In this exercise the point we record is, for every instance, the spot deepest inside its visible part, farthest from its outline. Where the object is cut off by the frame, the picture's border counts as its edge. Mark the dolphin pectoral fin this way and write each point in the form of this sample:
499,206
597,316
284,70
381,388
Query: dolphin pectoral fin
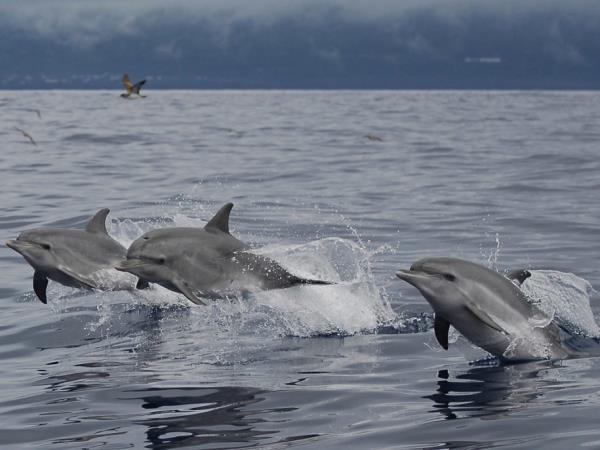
84,282
441,327
220,221
142,284
40,283
519,275
485,318
97,224
183,287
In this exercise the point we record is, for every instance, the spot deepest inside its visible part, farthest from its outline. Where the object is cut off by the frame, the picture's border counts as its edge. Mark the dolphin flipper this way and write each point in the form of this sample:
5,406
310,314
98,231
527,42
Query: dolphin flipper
519,275
40,282
84,282
220,220
97,224
184,288
441,327
485,318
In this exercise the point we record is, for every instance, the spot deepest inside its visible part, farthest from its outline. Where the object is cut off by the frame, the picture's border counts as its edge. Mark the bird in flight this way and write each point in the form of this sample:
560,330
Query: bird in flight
27,135
132,88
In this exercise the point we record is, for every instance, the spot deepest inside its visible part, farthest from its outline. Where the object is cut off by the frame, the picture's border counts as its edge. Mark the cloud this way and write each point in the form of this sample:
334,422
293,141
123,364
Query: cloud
346,41
169,50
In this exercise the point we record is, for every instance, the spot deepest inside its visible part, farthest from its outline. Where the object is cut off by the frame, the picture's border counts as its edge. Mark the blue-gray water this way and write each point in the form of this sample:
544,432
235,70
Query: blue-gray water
508,179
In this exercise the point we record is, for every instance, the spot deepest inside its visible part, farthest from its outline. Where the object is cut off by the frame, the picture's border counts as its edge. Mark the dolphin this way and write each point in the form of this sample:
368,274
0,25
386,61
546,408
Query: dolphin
485,307
69,257
205,262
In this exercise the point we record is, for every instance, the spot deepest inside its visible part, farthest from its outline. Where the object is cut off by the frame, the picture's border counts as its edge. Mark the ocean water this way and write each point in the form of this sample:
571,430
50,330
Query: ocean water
506,179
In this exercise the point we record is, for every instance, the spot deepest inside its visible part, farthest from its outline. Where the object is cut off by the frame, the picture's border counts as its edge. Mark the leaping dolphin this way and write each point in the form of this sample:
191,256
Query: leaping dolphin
486,308
69,257
131,88
205,262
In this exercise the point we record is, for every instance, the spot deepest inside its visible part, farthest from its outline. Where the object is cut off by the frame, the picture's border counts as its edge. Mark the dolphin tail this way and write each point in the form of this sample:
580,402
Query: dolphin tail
40,282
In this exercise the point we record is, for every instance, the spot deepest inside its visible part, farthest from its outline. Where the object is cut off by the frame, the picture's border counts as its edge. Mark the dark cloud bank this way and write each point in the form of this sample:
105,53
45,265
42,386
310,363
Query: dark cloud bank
301,44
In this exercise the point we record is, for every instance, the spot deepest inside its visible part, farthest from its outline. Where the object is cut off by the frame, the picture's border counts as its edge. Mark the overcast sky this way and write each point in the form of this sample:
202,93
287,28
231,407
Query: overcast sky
301,43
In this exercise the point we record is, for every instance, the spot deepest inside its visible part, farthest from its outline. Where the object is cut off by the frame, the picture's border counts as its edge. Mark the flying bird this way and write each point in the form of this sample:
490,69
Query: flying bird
132,88
27,135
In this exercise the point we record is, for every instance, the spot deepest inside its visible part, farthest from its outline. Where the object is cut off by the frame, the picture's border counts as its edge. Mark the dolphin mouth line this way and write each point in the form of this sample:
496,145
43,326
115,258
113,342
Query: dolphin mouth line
129,264
414,277
412,274
18,245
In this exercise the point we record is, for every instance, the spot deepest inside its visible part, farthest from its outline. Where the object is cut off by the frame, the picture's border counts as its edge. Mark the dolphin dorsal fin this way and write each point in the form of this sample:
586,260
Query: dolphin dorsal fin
441,327
221,219
519,275
97,224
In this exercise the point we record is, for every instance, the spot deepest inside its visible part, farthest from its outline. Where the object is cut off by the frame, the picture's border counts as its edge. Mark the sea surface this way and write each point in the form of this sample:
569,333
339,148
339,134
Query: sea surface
348,186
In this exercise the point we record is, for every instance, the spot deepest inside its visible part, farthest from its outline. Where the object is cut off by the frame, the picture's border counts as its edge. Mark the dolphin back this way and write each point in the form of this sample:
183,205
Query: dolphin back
297,280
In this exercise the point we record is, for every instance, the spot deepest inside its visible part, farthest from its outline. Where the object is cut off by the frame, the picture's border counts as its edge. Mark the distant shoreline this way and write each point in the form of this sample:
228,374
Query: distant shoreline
317,89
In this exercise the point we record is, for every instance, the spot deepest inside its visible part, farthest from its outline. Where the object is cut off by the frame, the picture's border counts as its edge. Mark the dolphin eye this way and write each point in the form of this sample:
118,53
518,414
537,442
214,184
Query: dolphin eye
161,260
146,238
45,246
449,276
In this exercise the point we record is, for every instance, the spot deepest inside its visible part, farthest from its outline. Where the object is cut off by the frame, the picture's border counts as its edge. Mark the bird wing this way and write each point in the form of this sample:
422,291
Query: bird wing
27,135
127,84
137,86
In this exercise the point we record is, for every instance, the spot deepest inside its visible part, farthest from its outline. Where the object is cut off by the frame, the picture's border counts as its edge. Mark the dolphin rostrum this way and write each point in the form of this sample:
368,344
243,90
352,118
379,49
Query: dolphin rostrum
486,308
205,262
69,257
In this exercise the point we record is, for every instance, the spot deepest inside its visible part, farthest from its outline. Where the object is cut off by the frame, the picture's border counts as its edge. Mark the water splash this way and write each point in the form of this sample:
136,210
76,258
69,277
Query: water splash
564,296
492,255
353,305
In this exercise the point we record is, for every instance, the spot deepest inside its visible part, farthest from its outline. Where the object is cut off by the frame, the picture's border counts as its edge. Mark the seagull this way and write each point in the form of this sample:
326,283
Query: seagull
27,135
131,88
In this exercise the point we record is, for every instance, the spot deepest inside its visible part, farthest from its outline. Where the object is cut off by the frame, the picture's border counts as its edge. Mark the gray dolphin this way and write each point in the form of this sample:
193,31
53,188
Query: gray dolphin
486,308
69,257
207,262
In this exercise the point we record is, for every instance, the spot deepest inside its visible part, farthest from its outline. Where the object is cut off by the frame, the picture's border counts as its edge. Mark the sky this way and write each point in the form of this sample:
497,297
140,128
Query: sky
304,44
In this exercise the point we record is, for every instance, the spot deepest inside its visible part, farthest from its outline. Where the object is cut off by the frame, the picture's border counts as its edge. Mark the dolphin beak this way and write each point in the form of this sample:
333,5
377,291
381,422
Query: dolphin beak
11,244
130,264
17,246
412,276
